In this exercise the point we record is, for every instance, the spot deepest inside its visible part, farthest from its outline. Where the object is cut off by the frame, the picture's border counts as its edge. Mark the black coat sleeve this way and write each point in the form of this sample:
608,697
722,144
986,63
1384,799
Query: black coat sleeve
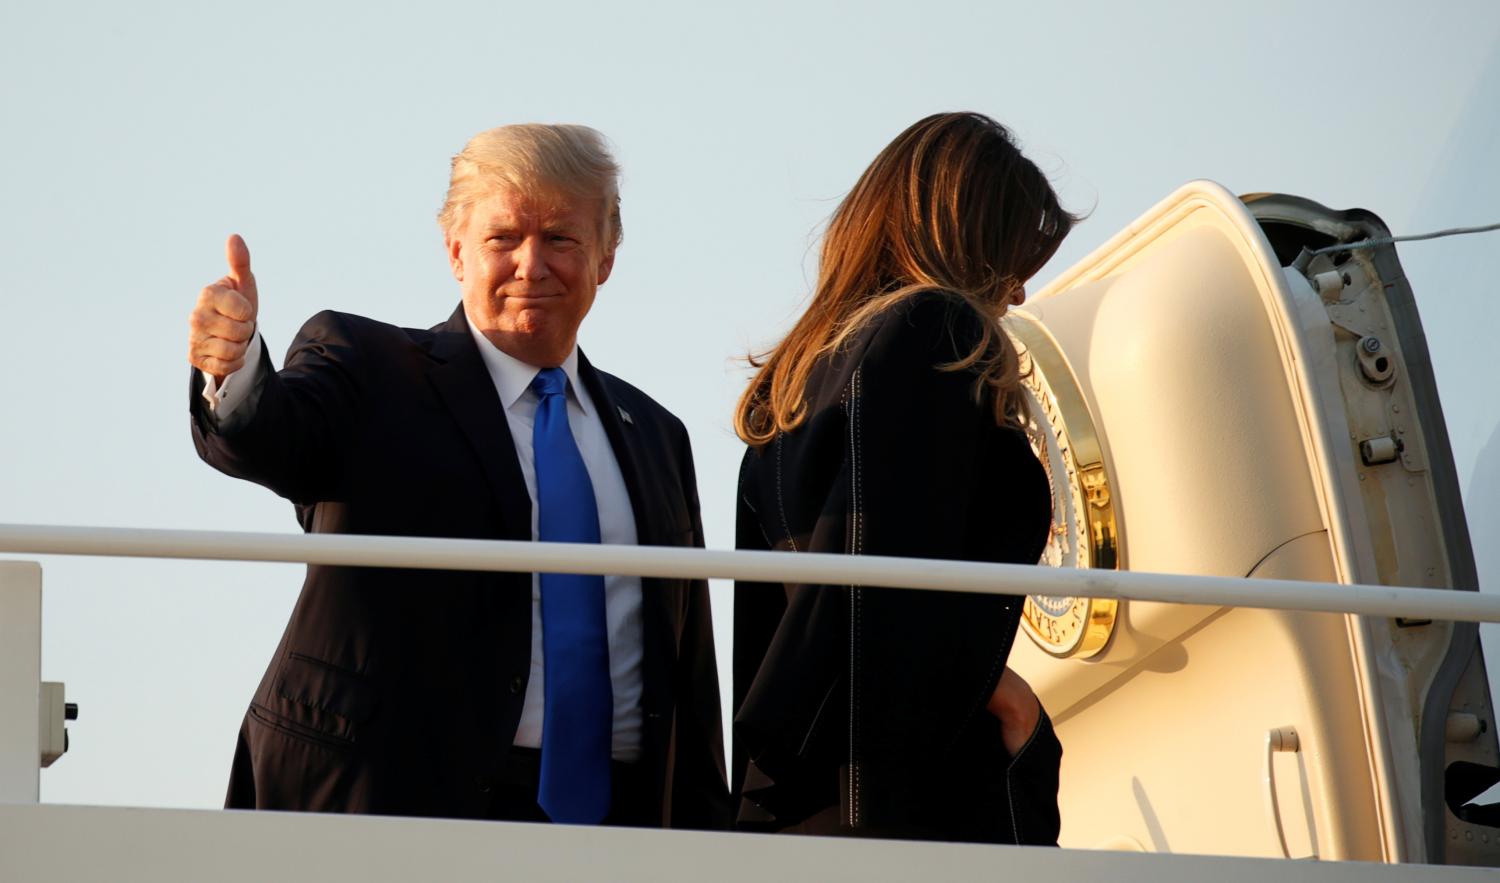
291,432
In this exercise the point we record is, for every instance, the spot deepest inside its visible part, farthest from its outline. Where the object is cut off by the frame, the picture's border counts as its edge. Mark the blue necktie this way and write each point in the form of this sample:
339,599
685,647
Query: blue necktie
578,715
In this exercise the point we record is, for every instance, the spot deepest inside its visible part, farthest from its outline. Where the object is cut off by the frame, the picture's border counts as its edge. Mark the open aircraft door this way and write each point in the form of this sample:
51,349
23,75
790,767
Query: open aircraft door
1211,398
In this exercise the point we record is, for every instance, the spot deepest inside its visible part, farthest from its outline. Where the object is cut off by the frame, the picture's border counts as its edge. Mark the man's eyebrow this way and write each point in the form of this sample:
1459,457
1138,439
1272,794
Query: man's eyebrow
548,226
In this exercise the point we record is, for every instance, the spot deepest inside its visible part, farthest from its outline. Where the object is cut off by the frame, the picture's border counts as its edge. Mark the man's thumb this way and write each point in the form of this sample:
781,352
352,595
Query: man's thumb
238,255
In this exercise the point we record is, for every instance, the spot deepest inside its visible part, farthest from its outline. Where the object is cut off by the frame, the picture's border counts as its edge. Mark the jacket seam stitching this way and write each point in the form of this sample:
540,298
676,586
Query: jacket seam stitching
856,547
781,500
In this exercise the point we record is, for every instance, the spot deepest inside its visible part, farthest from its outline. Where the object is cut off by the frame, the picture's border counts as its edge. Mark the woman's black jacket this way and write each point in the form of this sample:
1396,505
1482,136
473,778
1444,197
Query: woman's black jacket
872,700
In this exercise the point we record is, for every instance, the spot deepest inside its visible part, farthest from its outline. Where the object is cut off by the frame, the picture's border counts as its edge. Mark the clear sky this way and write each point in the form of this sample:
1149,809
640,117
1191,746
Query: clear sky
136,136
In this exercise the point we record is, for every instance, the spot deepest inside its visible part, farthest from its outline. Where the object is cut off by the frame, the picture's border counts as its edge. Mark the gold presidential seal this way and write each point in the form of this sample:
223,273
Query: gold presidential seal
1085,532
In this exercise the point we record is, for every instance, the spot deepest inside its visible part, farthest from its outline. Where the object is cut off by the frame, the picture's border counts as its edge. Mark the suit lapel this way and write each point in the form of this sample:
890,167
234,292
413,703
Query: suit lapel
462,381
661,600
635,459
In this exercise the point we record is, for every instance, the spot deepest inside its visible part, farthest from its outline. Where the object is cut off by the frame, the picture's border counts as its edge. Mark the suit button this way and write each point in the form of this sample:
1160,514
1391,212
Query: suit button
482,784
517,684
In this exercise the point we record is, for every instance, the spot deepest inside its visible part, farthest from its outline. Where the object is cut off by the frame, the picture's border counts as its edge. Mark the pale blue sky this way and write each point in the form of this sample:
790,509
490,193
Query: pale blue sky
136,136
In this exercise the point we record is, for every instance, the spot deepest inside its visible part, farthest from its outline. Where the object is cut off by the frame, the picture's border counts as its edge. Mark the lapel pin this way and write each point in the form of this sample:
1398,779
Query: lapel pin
625,415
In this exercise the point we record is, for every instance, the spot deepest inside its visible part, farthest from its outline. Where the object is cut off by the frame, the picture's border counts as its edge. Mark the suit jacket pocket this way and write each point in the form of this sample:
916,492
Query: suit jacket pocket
1031,786
260,715
321,698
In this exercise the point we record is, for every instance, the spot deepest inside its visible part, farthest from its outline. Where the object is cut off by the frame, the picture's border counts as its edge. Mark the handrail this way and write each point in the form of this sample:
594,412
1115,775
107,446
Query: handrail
807,568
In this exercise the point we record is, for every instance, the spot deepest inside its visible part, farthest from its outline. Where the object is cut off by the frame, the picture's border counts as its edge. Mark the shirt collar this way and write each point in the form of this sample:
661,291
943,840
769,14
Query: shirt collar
512,377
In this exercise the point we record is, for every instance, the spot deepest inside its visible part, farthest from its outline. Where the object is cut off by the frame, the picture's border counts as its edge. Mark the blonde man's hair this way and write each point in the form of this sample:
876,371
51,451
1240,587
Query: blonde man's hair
536,159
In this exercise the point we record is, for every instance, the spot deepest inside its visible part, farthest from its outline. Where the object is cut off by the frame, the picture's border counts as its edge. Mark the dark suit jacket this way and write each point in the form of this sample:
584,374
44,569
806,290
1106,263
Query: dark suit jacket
873,700
399,691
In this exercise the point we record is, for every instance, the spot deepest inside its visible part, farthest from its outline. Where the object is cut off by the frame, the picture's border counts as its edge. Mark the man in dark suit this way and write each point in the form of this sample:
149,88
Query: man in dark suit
473,695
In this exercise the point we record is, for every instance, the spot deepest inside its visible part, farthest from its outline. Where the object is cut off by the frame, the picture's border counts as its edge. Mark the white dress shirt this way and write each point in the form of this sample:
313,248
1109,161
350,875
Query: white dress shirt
224,398
622,594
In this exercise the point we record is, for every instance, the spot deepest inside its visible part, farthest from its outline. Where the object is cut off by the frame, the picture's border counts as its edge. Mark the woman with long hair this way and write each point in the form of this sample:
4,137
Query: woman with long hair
889,422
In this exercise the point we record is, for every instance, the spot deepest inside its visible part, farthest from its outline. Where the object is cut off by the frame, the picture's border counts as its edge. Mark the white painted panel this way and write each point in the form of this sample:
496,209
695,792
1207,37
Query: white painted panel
42,844
20,681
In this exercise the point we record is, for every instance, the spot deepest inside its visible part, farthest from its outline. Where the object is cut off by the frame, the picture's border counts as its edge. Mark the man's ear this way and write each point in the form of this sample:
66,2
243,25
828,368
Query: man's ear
455,248
606,264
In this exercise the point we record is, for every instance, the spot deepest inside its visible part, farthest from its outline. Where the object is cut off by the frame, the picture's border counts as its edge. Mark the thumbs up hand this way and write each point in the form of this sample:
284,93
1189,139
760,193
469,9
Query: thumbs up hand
223,321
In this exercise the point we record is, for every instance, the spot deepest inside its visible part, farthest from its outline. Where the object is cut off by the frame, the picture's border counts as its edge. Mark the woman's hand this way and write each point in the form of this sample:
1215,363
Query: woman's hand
1018,709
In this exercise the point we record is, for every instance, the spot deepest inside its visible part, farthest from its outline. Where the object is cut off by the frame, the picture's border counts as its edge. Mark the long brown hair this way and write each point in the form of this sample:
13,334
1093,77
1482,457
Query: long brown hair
950,205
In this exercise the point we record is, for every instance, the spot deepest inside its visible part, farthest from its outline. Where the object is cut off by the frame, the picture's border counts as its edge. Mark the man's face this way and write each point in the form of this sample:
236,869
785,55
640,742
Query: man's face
529,268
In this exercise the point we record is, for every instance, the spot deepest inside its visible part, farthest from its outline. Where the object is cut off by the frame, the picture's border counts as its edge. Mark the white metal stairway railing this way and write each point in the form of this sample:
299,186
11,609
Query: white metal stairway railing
816,569
130,844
